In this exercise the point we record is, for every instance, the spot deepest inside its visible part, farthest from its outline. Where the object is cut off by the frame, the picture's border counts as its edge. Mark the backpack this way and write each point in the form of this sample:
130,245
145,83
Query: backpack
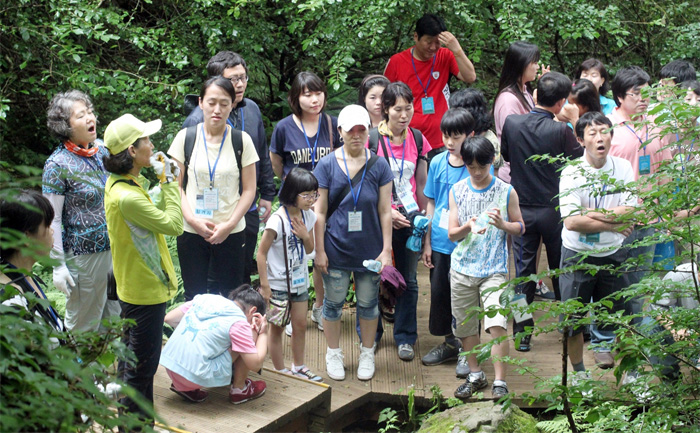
374,142
236,141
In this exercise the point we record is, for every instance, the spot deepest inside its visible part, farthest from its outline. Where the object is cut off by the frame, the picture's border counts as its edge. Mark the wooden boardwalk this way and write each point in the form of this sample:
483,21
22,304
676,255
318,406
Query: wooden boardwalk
291,404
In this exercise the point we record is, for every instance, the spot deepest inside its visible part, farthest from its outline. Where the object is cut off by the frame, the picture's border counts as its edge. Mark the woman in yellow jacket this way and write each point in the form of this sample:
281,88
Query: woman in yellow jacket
143,268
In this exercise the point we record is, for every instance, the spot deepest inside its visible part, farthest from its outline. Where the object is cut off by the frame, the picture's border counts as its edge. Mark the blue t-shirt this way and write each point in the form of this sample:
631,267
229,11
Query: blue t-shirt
288,142
346,250
441,178
81,180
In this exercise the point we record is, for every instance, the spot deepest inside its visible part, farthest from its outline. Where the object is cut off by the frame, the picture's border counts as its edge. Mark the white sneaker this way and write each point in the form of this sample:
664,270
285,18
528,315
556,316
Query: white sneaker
580,379
365,368
316,316
334,364
638,385
288,329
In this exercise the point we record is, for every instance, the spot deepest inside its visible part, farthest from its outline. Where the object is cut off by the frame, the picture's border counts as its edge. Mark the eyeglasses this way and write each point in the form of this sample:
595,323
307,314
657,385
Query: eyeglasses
238,78
311,197
636,95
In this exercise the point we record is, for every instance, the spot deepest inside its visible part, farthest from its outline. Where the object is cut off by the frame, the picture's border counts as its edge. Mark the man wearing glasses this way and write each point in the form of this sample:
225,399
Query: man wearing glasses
245,116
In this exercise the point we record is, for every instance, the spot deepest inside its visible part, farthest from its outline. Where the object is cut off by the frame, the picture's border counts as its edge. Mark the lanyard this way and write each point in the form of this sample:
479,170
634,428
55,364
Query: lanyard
403,156
318,133
430,77
680,150
447,176
355,197
297,247
646,127
212,171
240,113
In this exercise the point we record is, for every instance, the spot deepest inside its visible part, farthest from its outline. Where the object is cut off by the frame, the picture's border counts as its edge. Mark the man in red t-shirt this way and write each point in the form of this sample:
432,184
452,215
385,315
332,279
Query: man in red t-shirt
426,68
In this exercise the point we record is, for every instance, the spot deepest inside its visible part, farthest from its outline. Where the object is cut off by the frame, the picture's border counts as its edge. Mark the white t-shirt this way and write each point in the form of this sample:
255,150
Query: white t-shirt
225,176
276,271
574,196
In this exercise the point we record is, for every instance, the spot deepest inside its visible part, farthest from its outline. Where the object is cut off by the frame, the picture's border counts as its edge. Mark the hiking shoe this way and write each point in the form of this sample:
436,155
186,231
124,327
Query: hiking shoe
499,389
474,382
524,345
604,360
194,396
441,353
365,368
406,352
334,364
316,316
253,390
288,329
543,291
307,374
462,371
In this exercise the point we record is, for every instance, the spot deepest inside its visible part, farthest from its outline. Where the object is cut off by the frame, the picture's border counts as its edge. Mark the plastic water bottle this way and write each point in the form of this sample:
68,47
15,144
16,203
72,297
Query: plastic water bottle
482,221
372,265
261,212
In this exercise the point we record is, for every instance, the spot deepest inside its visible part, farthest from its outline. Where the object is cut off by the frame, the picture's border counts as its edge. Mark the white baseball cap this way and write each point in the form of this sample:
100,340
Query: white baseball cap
353,115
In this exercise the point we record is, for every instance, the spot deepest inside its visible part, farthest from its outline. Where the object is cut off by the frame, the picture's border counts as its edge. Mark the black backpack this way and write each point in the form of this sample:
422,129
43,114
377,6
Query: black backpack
236,141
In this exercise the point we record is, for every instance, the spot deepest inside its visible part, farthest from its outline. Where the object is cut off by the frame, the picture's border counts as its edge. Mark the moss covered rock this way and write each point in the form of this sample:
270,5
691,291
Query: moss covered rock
480,417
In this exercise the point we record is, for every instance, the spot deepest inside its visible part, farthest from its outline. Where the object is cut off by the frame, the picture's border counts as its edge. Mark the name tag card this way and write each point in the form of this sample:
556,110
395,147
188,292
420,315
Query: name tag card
644,164
444,219
299,278
428,105
200,210
355,221
211,199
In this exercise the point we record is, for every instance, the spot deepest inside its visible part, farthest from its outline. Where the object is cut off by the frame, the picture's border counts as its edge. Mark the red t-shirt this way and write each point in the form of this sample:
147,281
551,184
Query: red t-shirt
400,68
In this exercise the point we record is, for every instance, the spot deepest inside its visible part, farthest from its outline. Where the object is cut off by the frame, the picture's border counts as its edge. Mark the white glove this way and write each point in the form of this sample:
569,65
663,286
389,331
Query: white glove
62,279
163,167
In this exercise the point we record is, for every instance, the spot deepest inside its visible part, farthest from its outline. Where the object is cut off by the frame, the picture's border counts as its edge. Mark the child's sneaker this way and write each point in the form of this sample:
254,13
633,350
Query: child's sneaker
365,368
474,382
252,390
316,316
499,389
195,396
305,373
543,291
334,364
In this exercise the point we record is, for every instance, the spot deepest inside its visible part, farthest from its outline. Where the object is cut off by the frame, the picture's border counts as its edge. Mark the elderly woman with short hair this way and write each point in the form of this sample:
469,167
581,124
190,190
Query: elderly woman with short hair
73,181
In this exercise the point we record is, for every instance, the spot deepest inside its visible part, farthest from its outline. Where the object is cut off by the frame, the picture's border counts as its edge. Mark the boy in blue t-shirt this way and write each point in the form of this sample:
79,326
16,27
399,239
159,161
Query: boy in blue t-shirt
483,211
445,170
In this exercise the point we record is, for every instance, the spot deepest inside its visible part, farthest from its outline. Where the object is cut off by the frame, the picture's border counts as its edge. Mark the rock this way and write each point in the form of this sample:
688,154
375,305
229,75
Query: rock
480,417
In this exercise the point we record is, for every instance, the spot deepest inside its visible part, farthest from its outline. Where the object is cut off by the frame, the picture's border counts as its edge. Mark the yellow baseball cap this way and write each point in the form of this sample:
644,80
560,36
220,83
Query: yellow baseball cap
124,131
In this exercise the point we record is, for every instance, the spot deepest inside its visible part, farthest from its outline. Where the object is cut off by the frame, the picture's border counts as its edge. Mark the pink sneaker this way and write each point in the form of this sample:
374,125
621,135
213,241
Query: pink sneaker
253,390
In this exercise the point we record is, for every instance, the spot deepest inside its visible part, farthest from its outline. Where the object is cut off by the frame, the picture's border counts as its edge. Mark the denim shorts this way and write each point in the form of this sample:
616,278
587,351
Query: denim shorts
280,295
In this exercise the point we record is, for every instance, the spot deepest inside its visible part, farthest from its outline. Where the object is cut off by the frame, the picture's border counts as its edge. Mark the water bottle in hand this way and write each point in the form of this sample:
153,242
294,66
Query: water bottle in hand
372,265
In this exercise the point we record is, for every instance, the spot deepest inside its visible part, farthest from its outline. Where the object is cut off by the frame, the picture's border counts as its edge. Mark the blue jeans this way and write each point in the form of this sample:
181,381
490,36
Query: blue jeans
405,322
336,284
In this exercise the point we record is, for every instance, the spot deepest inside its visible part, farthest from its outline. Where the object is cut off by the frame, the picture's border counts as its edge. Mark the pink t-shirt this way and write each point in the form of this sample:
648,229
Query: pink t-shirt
241,334
627,143
396,158
506,104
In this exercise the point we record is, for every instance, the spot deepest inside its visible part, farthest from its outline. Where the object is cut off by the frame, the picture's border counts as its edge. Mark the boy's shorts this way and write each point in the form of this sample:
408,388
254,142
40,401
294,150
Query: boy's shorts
466,293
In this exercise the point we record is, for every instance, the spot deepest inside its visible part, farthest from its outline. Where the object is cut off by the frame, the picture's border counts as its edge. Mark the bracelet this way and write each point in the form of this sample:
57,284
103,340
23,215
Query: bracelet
522,228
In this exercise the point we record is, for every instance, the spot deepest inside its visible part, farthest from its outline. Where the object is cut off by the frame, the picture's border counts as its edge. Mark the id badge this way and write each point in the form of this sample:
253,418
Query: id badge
589,238
444,219
211,199
428,105
199,210
644,164
298,278
520,303
406,197
355,221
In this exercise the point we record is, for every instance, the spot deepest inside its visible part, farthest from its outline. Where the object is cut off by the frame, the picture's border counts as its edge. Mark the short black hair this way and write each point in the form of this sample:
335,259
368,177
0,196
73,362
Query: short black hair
122,162
457,121
23,212
629,77
474,101
586,94
219,81
297,181
596,64
431,25
691,85
367,84
591,118
393,92
224,60
478,148
311,82
678,71
249,297
552,88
